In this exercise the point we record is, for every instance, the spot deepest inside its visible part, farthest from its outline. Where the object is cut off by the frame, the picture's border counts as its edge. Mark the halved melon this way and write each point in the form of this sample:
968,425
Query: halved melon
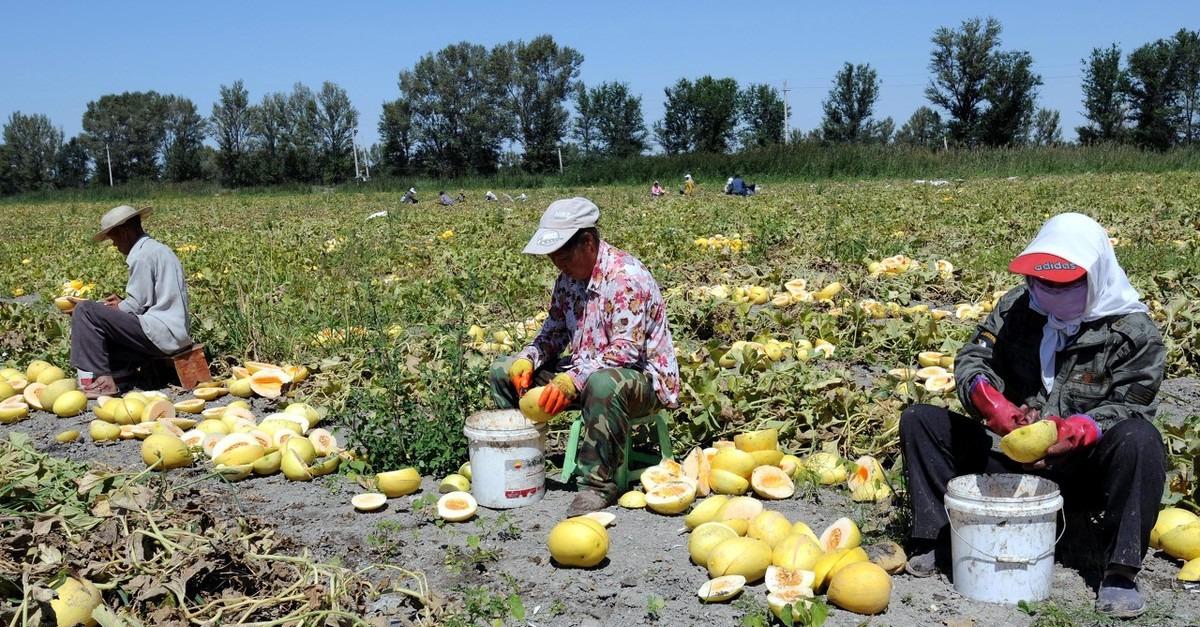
788,598
902,374
721,588
102,431
764,440
193,438
55,389
842,534
158,409
241,388
705,538
456,506
929,372
725,482
368,502
306,410
929,358
707,510
828,467
771,482
238,372
212,425
606,519
657,475
672,497
770,527
324,442
720,444
303,447
791,465
237,449
297,373
781,579
209,394
269,382
252,367
695,467
940,384
264,440
796,551
209,443
868,483
12,412
268,464
33,394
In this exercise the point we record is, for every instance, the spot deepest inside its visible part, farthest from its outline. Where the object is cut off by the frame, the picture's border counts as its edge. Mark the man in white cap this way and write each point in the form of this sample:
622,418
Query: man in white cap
608,312
115,336
1072,345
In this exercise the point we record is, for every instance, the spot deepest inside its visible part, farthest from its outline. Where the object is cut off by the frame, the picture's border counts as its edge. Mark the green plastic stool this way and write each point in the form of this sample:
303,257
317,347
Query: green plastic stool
625,476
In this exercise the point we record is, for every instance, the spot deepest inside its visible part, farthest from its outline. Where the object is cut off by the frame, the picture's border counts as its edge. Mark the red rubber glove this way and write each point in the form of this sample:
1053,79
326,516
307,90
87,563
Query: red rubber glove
557,394
1001,415
1074,433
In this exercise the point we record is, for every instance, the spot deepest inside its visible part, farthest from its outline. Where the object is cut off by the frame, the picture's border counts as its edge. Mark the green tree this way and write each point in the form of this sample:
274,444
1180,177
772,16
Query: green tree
32,143
700,116
850,104
1046,130
1011,91
71,165
583,127
1187,50
132,125
232,122
961,62
674,132
395,132
539,76
620,128
183,140
459,112
336,121
284,132
1153,93
761,111
924,128
1105,85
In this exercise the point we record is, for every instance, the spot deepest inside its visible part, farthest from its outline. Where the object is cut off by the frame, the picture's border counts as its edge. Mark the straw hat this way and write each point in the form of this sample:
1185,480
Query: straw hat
116,217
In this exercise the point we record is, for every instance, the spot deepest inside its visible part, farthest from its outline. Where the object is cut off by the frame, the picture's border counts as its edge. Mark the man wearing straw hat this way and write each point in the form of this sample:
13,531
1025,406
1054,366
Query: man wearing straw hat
608,312
110,338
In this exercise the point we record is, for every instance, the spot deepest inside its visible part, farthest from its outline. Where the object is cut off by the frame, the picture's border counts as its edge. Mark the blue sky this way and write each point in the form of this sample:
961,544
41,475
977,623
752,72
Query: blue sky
59,55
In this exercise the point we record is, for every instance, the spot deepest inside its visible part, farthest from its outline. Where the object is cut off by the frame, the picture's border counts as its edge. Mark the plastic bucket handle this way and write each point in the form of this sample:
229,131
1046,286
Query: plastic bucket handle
1009,559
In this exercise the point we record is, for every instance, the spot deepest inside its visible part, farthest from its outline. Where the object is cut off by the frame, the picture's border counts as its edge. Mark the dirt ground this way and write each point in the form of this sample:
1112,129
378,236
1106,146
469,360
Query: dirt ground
647,565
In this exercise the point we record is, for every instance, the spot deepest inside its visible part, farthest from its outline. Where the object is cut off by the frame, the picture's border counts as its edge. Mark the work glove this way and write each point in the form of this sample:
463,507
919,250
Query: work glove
520,374
1001,415
558,394
1074,433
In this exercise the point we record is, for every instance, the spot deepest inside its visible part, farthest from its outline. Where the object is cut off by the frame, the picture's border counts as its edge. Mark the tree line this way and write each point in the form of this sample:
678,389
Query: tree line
466,109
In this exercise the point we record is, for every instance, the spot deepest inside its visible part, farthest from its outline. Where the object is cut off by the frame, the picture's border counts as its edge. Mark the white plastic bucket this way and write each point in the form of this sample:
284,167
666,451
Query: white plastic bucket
507,467
1003,536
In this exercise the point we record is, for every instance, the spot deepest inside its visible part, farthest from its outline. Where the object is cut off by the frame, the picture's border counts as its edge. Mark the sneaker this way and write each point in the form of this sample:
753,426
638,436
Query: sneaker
1119,597
588,501
926,559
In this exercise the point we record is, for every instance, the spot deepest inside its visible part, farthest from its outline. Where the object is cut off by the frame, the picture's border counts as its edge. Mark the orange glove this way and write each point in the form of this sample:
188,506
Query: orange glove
520,374
558,394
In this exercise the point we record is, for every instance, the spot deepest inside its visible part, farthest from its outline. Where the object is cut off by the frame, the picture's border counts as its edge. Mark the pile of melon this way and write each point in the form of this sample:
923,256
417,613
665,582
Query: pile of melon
41,386
1177,533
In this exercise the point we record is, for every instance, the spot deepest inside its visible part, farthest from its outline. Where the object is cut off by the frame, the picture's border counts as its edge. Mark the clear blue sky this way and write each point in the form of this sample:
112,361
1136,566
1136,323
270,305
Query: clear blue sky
59,55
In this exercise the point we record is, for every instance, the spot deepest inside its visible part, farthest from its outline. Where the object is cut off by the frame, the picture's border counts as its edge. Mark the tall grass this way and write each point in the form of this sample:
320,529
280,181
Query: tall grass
802,161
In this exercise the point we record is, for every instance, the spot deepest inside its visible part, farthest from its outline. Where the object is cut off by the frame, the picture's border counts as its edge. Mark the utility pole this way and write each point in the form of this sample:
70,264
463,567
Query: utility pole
560,168
787,126
108,158
367,164
354,149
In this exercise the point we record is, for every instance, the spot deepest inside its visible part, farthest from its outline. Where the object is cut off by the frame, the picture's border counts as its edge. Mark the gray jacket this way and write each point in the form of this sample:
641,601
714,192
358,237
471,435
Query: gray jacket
1111,371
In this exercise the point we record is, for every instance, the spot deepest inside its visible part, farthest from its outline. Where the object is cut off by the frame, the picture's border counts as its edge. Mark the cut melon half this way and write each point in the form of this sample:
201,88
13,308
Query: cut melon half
368,502
721,589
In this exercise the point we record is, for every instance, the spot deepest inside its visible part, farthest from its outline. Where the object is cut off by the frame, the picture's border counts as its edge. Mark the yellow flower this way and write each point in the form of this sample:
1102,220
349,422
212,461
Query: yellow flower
186,248
18,291
26,261
445,235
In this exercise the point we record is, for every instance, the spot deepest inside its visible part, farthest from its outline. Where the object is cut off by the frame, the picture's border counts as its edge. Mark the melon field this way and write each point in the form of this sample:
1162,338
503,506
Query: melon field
815,309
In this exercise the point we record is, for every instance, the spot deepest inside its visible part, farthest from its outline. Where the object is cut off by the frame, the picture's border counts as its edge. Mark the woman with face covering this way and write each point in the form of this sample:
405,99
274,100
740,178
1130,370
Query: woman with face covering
1072,345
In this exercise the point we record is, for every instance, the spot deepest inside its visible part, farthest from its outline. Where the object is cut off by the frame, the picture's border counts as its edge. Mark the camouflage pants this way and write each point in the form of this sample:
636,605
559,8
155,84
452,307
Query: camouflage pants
610,399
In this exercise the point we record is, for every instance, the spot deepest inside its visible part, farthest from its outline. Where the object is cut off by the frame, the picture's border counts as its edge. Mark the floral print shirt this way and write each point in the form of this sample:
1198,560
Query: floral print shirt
616,320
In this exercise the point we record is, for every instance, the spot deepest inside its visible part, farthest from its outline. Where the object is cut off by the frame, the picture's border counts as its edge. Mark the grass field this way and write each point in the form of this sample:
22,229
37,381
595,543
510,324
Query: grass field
382,310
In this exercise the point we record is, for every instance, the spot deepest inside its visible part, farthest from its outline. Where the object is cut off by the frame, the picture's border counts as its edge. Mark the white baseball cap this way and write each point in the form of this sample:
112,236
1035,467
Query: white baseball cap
116,217
562,219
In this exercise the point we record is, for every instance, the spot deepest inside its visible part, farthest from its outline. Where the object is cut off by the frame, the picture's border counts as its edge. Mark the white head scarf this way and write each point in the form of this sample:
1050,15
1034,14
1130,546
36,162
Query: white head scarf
1082,241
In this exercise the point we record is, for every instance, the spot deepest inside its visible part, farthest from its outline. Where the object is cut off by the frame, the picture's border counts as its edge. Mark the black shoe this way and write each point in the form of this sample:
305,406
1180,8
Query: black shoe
1119,597
926,559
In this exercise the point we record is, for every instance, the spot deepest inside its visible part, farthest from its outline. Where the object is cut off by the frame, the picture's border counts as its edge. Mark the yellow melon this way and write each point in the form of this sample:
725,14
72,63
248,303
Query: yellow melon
862,588
632,500
1170,518
725,482
578,542
841,534
672,497
705,538
796,551
748,557
706,511
764,440
396,483
1028,444
770,527
771,482
735,461
721,589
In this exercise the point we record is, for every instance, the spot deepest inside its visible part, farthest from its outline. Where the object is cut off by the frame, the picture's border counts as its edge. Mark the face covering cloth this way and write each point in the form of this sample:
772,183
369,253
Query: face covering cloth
1082,241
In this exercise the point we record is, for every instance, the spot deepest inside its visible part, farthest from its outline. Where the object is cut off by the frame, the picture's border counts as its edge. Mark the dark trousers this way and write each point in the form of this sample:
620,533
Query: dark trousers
107,341
1121,476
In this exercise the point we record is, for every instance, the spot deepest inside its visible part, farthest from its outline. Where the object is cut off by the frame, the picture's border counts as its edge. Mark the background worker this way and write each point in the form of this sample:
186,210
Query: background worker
608,312
117,335
1075,346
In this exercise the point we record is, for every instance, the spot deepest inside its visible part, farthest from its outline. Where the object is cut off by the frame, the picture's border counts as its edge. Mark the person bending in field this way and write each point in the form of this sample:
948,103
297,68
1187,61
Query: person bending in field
608,312
410,197
689,186
1074,346
444,199
657,190
735,186
111,338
